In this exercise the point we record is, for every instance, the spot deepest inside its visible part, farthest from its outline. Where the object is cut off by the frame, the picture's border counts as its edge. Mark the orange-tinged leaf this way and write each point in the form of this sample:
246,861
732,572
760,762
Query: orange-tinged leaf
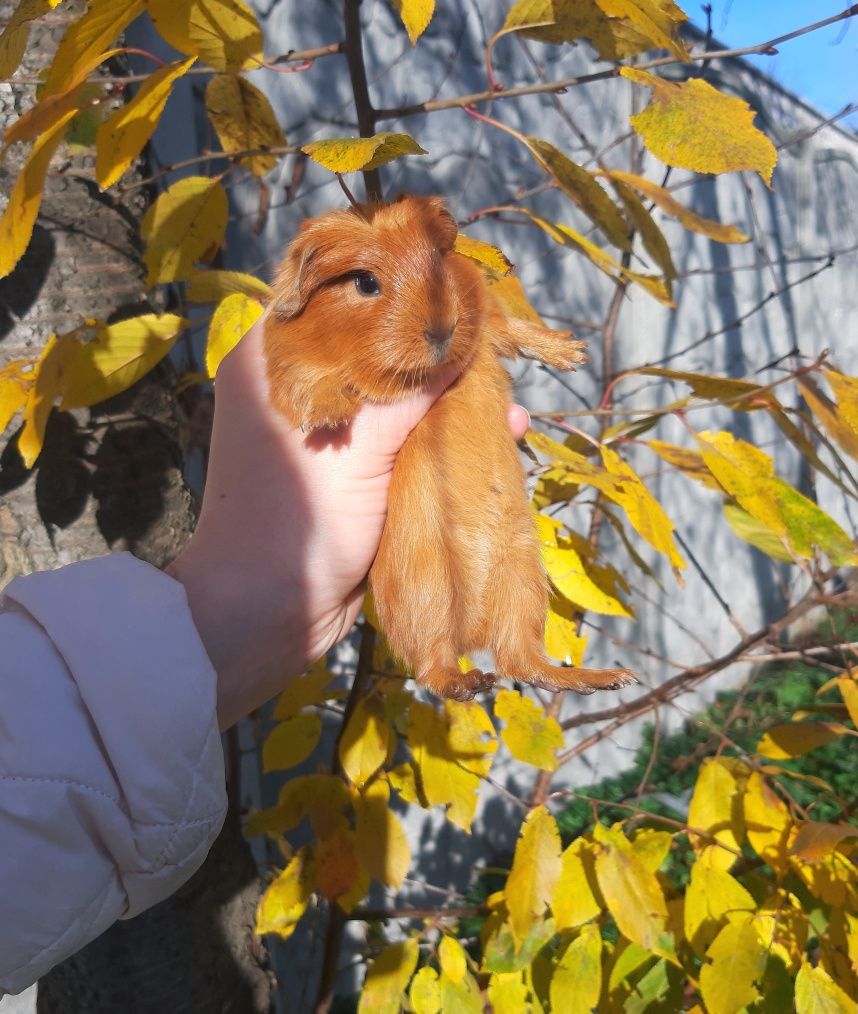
186,224
49,376
211,286
792,739
576,982
670,206
691,125
285,900
244,120
830,878
581,187
85,42
381,844
529,733
817,993
816,841
493,260
716,807
712,898
303,691
365,740
576,894
387,978
337,867
747,474
234,316
123,134
19,217
767,822
223,33
350,154
728,983
513,298
118,356
846,392
688,462
416,15
15,383
290,742
632,893
425,991
13,40
535,871
840,420
644,512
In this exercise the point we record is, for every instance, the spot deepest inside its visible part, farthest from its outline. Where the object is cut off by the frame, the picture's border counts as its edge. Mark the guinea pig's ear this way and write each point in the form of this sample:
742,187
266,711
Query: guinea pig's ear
295,280
437,220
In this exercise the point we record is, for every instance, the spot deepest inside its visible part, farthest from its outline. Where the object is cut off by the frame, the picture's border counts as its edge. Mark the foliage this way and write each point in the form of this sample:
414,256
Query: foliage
748,899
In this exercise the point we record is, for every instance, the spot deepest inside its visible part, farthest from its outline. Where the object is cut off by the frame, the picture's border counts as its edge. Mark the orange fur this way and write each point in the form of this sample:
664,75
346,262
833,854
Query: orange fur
458,569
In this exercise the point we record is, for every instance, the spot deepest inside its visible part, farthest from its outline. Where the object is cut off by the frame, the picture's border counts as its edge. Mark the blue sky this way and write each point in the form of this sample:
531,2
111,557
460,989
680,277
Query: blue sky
821,67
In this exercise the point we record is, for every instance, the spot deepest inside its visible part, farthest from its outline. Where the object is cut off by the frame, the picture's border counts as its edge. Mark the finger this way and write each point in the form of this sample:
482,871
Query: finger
519,421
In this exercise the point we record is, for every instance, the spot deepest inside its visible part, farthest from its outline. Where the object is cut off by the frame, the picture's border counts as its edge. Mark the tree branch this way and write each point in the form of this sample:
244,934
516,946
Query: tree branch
366,115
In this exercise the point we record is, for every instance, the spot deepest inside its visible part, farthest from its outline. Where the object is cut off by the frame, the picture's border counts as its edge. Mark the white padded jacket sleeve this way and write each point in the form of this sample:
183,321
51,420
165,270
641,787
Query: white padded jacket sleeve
111,770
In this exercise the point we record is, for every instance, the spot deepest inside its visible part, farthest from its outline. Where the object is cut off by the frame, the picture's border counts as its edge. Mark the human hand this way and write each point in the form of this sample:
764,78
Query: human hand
290,524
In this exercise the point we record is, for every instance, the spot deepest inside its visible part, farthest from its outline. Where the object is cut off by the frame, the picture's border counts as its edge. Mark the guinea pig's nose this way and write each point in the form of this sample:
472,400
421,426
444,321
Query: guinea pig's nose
439,336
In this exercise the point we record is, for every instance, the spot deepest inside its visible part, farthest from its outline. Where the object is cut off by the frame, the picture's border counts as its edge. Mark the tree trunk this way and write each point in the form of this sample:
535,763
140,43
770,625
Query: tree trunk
111,478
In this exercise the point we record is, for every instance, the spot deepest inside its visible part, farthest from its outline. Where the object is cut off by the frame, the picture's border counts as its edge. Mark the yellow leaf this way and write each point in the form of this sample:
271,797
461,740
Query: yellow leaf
656,21
416,15
670,206
653,238
849,693
632,893
767,822
816,841
222,33
337,869
792,739
49,377
487,256
365,740
746,527
461,997
233,318
321,798
566,20
387,978
85,42
403,778
738,960
652,847
285,900
291,742
381,845
15,383
211,286
349,154
577,980
535,871
562,640
782,927
576,899
507,993
303,691
118,356
510,292
581,187
13,40
645,513
817,993
19,217
425,992
716,807
451,957
356,893
123,134
566,571
688,462
691,125
579,468
711,898
567,237
747,474
185,224
846,391
841,420
244,120
831,878
530,735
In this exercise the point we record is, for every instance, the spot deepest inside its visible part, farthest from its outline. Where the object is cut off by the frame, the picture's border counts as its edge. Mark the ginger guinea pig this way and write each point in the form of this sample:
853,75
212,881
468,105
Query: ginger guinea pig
367,304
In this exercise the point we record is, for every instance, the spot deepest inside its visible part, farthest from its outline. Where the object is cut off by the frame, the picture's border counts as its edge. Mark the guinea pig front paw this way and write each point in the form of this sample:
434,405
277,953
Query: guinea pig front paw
330,414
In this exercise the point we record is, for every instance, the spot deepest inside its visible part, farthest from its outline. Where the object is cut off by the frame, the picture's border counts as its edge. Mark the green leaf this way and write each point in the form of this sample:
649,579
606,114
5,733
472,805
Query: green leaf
350,154
691,125
746,527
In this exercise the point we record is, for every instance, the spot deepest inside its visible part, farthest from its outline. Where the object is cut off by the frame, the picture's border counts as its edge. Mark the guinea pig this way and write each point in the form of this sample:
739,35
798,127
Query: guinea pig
366,306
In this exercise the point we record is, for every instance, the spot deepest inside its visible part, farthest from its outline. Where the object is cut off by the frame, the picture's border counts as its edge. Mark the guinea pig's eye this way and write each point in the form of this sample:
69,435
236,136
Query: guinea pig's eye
366,284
